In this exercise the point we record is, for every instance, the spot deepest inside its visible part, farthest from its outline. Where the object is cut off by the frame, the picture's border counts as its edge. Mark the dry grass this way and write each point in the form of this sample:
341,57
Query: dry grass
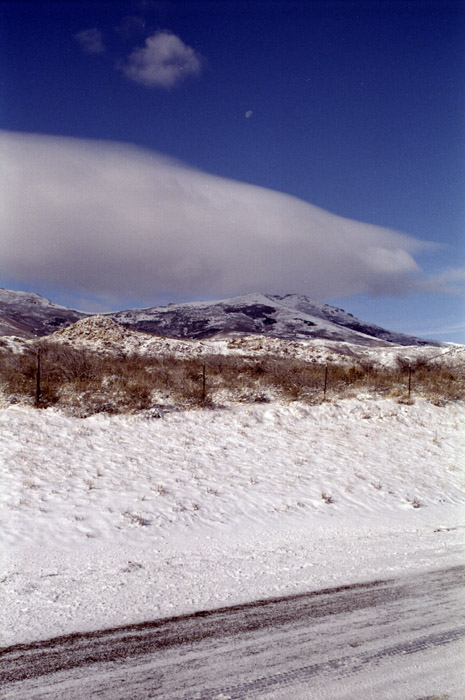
85,382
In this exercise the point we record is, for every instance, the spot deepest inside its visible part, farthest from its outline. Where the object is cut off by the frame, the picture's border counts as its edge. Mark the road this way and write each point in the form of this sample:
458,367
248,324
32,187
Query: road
401,639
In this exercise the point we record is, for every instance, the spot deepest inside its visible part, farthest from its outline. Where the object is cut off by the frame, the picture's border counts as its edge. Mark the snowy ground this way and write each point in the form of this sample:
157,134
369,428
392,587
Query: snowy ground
103,335
116,519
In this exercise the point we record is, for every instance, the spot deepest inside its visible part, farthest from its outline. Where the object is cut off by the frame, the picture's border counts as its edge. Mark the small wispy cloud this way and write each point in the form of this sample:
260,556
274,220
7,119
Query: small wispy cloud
452,275
112,221
164,61
90,40
449,281
447,330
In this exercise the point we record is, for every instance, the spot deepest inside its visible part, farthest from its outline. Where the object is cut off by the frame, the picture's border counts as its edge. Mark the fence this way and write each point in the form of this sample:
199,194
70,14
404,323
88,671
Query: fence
68,377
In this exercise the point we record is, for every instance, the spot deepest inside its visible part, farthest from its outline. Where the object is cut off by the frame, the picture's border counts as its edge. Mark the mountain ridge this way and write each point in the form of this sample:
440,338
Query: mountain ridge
292,316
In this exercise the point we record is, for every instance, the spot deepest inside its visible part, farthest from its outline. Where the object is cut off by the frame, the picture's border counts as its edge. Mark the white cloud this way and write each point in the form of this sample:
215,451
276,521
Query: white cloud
116,222
451,277
90,40
163,62
450,281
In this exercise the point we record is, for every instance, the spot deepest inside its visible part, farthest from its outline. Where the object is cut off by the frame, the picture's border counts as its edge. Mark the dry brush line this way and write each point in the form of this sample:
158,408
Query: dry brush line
85,382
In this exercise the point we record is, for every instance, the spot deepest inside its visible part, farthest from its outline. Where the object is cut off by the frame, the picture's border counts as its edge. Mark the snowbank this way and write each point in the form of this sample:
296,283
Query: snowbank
115,519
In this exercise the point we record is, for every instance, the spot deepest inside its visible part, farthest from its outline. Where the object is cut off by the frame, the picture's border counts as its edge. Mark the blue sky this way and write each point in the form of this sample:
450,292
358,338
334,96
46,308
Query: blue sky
353,107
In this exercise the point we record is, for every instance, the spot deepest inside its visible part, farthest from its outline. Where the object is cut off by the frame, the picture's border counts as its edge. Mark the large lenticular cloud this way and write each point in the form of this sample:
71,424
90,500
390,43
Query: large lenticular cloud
114,221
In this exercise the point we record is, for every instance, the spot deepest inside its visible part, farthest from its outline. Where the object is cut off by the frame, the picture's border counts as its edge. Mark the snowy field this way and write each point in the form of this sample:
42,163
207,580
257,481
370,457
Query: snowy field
115,519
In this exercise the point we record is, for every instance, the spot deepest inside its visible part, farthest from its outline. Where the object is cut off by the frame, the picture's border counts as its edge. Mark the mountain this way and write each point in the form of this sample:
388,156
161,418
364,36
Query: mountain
293,317
29,315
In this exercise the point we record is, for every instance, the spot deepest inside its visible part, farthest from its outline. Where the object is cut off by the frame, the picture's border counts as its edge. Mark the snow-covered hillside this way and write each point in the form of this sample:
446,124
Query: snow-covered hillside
115,519
29,315
290,317
102,334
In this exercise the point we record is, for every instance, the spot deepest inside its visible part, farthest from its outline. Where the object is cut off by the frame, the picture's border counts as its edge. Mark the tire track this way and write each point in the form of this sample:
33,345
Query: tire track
245,651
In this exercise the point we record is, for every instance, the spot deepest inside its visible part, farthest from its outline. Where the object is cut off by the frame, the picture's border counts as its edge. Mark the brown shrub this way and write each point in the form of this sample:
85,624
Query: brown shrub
87,382
17,373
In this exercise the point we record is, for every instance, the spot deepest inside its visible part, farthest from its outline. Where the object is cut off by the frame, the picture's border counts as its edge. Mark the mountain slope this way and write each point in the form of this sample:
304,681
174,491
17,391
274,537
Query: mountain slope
29,315
293,317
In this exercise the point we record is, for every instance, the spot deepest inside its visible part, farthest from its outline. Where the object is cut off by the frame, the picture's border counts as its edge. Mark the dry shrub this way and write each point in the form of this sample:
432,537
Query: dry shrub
17,373
438,384
86,382
187,383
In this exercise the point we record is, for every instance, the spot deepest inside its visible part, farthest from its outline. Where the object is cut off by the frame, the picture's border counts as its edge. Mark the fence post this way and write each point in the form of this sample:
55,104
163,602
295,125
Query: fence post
409,380
204,392
38,378
326,383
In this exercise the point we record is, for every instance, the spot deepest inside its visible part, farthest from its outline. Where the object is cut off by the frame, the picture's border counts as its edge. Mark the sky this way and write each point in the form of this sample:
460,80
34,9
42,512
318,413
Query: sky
156,152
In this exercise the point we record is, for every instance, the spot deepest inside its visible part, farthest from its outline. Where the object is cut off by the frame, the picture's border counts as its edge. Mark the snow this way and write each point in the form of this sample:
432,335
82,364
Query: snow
115,519
102,334
291,316
13,298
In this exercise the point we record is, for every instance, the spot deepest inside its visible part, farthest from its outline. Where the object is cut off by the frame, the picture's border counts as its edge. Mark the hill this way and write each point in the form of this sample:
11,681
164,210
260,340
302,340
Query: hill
291,317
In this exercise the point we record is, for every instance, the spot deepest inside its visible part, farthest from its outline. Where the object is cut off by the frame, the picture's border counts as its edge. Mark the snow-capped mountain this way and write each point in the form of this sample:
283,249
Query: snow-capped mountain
292,317
29,315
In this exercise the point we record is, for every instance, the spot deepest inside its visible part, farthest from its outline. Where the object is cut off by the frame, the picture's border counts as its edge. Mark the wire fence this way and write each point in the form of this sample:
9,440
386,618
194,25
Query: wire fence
71,378
67,377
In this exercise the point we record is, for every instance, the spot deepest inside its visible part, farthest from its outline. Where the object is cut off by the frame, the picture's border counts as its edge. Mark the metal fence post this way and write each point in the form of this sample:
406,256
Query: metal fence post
38,378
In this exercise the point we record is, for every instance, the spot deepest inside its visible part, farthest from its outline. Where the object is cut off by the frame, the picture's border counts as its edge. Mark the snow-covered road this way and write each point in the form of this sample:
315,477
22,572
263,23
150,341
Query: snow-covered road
395,639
